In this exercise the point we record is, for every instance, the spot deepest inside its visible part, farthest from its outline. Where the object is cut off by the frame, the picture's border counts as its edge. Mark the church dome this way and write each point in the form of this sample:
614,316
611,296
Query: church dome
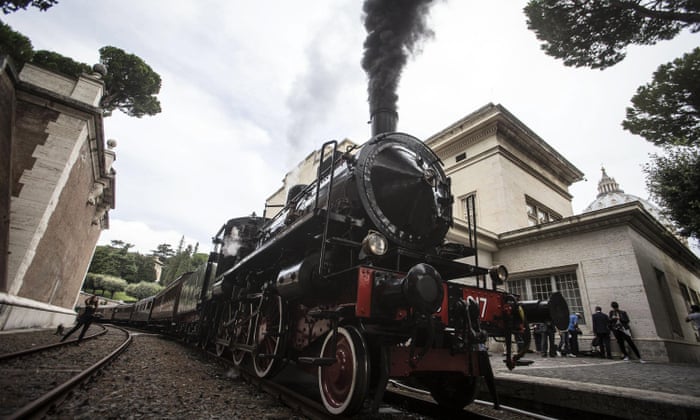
610,194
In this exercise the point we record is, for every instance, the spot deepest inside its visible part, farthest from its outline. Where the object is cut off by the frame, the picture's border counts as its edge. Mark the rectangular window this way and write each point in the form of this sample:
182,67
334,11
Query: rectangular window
517,287
686,295
460,157
667,303
538,213
468,206
567,284
468,203
694,296
541,287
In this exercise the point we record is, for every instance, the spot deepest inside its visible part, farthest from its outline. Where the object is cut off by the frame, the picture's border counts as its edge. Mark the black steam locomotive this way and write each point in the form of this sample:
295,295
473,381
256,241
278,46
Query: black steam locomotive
352,281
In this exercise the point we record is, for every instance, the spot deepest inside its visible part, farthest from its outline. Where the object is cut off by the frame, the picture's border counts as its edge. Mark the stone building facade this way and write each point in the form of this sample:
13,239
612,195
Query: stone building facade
61,186
618,250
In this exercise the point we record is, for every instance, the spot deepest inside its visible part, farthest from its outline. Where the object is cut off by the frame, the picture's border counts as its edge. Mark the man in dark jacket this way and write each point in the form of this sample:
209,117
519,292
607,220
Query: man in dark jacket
85,319
548,347
601,330
619,324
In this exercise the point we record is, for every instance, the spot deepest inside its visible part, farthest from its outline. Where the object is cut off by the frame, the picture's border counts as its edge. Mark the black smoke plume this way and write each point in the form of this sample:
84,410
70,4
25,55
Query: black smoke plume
394,31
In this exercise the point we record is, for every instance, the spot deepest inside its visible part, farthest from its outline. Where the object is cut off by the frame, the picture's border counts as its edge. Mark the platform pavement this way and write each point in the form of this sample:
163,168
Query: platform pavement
603,387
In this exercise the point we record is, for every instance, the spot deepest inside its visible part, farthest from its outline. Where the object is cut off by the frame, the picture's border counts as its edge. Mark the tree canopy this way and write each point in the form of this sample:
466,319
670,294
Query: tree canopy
674,181
137,270
596,33
9,6
116,260
185,258
143,290
15,45
131,85
60,64
667,110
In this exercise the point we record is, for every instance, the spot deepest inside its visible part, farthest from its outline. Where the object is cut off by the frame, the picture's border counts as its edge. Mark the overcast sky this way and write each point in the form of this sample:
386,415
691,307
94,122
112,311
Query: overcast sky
252,87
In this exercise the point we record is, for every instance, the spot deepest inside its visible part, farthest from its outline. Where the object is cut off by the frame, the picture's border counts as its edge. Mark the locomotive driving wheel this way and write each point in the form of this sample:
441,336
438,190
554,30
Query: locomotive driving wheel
223,336
452,390
269,337
241,330
344,384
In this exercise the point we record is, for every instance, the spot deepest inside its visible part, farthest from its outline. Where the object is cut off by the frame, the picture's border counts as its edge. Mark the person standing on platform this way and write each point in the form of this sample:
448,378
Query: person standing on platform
563,348
601,329
548,347
620,326
572,335
85,319
537,335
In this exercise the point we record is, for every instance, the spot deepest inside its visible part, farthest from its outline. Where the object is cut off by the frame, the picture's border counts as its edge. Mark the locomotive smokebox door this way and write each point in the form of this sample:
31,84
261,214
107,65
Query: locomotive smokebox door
404,190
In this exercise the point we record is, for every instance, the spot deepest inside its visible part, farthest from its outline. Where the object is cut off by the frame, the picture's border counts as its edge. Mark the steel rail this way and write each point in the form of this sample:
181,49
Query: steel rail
19,353
43,403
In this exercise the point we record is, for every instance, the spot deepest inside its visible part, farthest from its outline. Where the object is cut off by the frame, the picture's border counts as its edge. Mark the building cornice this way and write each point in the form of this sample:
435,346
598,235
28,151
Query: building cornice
497,120
633,215
486,240
460,143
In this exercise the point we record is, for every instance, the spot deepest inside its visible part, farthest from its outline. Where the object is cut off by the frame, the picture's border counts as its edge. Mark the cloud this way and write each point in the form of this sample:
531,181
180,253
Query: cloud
144,238
251,88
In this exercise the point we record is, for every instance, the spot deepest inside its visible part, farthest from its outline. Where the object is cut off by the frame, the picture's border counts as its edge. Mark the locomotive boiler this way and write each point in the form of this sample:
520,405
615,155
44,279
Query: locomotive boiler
353,281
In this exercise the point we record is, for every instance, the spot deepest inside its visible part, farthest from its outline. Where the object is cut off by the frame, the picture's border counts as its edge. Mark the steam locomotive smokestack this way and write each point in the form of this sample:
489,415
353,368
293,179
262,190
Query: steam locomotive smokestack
383,120
394,30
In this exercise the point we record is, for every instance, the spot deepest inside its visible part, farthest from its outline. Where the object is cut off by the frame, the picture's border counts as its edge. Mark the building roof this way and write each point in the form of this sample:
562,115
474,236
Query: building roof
610,194
491,119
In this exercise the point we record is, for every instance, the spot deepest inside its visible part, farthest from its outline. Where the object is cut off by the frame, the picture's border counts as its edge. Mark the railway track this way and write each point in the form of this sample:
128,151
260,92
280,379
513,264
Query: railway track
298,391
48,373
12,354
204,388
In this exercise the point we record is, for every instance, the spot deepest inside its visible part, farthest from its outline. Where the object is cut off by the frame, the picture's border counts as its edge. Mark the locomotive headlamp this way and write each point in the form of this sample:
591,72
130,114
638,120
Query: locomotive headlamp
375,243
498,274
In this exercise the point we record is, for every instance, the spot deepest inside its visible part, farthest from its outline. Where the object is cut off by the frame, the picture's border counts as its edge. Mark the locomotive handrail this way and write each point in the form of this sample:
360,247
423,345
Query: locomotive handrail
471,232
331,170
